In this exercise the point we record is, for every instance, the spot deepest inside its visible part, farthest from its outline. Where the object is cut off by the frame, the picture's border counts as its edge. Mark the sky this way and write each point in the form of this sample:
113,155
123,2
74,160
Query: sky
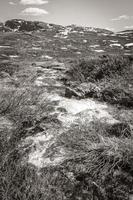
115,15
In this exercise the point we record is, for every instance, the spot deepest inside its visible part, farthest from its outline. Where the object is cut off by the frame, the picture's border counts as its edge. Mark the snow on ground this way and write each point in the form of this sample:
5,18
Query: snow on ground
114,41
127,54
99,50
42,153
129,45
66,31
114,34
47,57
69,45
5,47
124,36
75,108
36,48
125,32
95,46
50,26
84,41
78,52
61,36
116,45
102,34
39,145
5,123
13,56
90,29
74,31
64,48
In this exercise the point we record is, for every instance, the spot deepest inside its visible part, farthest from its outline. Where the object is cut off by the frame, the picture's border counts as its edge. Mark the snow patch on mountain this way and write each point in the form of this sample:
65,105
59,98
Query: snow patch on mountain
129,45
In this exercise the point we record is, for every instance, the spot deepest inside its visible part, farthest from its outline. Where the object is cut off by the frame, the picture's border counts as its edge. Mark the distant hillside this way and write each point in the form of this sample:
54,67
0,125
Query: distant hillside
3,28
23,25
45,40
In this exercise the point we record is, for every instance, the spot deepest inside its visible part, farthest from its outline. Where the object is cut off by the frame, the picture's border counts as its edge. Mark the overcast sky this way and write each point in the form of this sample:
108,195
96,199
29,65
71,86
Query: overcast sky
112,14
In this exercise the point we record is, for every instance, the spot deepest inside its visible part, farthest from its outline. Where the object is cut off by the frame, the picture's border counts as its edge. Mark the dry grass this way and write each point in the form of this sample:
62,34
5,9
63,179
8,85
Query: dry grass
104,161
97,165
93,158
112,74
17,180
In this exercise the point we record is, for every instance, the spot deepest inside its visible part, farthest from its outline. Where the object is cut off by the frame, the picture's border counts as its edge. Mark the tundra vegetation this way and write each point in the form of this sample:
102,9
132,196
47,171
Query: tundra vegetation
83,160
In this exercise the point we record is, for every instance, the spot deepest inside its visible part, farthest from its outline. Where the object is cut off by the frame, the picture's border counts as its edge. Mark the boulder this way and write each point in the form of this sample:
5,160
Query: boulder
84,90
71,92
118,96
4,75
89,90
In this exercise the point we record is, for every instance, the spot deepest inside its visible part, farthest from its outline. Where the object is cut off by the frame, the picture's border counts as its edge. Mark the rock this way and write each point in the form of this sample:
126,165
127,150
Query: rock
84,90
89,90
130,196
62,110
4,75
70,92
34,130
118,96
27,124
119,130
3,28
38,129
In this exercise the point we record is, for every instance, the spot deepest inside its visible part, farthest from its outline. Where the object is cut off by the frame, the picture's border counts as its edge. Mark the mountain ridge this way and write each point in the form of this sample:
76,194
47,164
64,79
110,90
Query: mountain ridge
19,22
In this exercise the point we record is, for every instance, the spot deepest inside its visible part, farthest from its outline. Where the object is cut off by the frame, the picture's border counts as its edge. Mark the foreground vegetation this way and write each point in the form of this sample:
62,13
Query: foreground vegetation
98,161
107,78
97,166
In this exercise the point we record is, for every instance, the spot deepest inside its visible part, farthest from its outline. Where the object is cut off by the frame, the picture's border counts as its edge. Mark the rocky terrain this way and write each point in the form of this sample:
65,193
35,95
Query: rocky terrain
66,107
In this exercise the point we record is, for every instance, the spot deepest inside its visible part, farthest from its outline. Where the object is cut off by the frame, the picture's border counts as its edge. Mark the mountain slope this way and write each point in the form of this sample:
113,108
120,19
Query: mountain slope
45,41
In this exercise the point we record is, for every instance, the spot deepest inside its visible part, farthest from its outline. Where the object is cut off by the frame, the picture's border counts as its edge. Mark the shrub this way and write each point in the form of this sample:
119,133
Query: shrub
9,68
97,69
112,74
98,161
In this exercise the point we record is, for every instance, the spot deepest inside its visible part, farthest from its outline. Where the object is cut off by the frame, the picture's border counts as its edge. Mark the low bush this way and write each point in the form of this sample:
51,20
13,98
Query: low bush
111,74
115,95
97,69
9,68
101,165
